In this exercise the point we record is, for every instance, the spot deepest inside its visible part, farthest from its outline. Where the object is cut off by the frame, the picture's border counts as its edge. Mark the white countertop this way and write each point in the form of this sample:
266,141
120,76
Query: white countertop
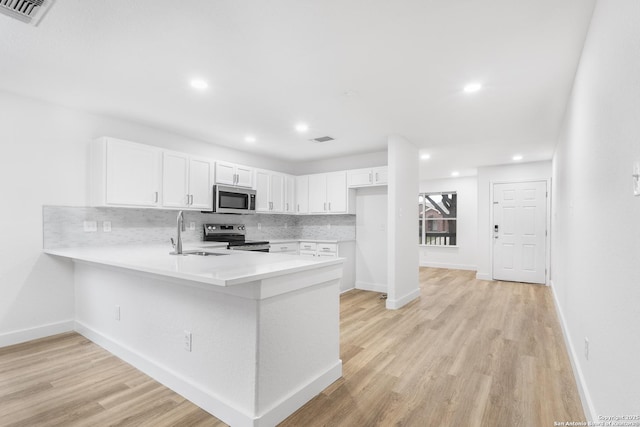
233,268
308,240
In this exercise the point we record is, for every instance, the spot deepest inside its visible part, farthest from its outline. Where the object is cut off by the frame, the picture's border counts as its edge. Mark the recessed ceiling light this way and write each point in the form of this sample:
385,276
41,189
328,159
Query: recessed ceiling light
199,84
455,173
302,127
472,87
250,138
517,157
425,156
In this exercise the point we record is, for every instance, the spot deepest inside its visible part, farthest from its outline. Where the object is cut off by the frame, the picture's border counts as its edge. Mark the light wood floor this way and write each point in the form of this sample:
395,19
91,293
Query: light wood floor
467,353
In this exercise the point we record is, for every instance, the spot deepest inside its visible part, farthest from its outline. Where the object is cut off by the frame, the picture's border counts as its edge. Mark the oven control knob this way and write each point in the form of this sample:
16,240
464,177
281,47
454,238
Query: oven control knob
241,227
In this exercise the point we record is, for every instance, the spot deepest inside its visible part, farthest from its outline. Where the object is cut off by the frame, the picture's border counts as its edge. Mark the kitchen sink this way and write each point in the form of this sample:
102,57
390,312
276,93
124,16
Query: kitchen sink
202,253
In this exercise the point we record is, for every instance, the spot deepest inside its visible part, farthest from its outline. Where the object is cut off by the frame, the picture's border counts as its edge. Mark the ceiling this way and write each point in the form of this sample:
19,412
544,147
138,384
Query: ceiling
355,70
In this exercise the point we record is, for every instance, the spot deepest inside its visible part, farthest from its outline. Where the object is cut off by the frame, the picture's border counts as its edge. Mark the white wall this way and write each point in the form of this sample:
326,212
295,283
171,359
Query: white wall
487,176
371,239
462,257
595,271
43,160
402,251
358,161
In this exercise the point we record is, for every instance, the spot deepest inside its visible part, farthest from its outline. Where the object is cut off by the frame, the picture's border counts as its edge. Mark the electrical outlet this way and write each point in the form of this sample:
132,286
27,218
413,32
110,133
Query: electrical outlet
586,348
286,225
636,178
90,226
106,226
329,226
116,313
259,226
192,225
187,340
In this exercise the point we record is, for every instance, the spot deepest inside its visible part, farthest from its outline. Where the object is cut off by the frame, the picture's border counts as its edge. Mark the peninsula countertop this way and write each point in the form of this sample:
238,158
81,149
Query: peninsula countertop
230,268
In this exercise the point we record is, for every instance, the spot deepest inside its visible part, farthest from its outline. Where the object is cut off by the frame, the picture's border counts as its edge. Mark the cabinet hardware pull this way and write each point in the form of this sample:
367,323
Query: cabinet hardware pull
376,176
325,206
369,177
287,206
298,207
156,197
191,198
329,205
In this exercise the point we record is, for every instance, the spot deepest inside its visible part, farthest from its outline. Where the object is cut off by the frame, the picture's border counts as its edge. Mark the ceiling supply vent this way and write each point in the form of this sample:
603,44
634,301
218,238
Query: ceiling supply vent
27,11
322,139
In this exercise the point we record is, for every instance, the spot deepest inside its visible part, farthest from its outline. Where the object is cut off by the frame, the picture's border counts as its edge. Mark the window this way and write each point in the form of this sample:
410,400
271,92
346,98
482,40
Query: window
437,220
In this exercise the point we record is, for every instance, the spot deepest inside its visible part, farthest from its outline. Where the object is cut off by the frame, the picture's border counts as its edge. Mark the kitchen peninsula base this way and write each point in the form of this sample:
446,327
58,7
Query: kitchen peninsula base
250,354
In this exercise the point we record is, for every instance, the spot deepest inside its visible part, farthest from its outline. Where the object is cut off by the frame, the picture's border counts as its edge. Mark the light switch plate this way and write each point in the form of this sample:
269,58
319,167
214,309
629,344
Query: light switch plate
90,226
192,225
106,226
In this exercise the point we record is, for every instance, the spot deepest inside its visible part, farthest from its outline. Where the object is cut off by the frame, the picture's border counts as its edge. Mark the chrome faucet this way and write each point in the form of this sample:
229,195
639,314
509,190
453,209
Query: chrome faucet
177,245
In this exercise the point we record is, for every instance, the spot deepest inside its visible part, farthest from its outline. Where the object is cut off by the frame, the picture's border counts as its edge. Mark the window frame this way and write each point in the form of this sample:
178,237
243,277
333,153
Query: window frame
423,220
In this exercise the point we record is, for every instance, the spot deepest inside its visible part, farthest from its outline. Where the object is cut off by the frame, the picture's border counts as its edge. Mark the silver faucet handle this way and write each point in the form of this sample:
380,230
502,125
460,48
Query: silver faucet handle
173,243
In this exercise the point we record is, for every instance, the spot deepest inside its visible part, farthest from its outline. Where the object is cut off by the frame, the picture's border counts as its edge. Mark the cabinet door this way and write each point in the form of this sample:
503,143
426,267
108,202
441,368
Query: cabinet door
380,175
289,194
225,173
132,174
337,192
359,177
263,190
244,176
302,194
277,193
200,185
175,180
318,193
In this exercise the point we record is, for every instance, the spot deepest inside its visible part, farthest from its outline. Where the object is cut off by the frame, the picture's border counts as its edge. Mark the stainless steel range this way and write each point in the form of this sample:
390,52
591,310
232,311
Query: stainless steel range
234,236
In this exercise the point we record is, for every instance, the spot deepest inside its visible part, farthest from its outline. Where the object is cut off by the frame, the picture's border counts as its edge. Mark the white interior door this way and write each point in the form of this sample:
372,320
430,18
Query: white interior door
519,234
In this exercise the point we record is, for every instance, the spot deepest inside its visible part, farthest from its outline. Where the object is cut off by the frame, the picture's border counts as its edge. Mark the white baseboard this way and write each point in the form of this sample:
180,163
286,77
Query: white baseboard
369,286
449,266
299,397
24,335
394,304
211,403
585,396
483,276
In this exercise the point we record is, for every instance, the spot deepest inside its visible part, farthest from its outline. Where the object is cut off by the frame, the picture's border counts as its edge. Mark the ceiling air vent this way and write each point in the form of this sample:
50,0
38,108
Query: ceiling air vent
27,11
322,139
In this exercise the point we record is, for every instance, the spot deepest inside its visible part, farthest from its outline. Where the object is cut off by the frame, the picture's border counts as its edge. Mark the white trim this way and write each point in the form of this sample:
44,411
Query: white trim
447,265
298,398
483,276
29,334
394,304
422,245
212,403
369,286
583,390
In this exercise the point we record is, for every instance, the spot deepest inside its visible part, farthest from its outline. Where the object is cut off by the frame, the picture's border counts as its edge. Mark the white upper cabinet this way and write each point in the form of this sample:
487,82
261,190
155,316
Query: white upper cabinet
201,183
302,194
367,177
125,173
232,174
269,191
289,194
186,182
328,194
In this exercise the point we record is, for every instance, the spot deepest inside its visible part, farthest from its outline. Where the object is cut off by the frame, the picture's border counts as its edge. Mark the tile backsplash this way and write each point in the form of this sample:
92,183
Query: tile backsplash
63,226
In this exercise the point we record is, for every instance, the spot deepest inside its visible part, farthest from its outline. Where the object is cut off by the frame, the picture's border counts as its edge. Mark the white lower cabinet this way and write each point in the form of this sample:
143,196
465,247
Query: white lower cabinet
286,247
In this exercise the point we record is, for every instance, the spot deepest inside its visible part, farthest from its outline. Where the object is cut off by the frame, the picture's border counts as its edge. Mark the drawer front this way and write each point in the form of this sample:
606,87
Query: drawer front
327,255
327,247
308,253
284,247
307,246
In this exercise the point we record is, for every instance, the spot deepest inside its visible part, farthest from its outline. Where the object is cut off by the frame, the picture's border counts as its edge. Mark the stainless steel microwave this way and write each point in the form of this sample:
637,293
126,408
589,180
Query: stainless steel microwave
233,200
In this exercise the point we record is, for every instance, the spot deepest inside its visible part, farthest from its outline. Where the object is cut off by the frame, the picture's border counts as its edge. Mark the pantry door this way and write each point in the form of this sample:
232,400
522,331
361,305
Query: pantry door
520,231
